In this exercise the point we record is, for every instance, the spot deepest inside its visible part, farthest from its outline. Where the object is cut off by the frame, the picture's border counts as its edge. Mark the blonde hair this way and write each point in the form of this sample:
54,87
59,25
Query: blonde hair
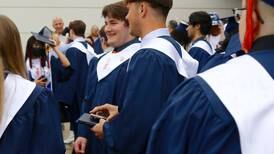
11,48
1,89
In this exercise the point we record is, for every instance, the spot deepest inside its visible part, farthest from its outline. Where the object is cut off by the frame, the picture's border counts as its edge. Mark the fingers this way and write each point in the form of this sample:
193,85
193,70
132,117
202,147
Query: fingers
100,108
80,146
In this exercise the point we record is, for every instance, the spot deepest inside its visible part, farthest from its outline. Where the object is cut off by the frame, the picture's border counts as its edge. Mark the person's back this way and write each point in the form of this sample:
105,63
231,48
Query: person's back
30,122
228,109
70,87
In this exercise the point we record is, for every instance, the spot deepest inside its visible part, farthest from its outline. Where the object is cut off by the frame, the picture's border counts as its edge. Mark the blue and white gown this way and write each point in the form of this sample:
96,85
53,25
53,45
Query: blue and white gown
201,50
152,73
105,77
227,109
30,122
69,83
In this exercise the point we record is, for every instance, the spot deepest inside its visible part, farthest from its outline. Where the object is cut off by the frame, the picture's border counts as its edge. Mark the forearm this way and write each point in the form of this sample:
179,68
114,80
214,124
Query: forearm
64,60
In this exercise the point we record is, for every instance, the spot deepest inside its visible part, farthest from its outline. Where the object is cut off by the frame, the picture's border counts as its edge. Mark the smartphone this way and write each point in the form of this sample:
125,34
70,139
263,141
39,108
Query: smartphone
44,78
90,119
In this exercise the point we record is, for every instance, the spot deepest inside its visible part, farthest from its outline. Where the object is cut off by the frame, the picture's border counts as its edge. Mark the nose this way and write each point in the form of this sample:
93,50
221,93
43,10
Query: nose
107,28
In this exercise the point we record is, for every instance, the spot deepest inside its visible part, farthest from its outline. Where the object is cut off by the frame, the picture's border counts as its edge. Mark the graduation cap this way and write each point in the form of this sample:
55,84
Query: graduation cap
269,2
214,18
182,26
44,35
232,24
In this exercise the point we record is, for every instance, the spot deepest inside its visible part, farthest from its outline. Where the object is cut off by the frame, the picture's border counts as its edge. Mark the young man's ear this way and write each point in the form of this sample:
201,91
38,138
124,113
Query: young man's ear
197,26
142,9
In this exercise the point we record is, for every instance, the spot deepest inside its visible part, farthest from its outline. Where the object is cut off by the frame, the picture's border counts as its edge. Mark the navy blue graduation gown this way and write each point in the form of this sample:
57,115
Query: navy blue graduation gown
99,93
36,128
233,47
151,76
197,121
70,82
200,55
98,46
107,90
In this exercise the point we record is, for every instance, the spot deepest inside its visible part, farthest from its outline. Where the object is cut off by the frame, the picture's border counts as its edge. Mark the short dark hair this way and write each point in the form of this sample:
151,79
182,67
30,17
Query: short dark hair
116,10
203,19
172,24
162,5
78,27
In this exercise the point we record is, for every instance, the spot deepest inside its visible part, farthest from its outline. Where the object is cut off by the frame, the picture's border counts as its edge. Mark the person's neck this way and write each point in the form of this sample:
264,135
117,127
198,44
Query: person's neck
76,37
265,30
197,36
147,28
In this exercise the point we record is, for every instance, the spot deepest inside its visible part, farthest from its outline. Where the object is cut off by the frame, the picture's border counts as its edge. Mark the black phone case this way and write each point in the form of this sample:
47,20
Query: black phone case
88,119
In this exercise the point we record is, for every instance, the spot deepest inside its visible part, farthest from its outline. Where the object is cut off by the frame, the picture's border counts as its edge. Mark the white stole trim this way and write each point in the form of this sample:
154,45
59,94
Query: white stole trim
89,51
112,60
204,45
16,91
247,91
186,65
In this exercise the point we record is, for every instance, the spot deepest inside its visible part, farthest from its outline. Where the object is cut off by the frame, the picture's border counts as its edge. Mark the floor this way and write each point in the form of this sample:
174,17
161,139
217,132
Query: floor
65,134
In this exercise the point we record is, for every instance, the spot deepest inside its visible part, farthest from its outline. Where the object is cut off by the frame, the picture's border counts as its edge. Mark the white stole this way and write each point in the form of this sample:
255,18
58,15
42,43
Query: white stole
186,65
247,91
112,60
88,51
204,45
16,91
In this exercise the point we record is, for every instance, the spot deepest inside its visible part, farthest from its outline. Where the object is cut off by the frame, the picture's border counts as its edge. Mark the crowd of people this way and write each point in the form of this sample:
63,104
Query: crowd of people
147,85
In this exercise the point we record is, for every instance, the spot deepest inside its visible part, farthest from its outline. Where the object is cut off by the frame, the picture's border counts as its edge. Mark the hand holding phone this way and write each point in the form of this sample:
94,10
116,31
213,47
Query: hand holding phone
90,119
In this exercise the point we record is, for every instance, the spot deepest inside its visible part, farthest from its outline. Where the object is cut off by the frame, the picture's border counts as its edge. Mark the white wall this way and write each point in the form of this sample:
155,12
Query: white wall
32,15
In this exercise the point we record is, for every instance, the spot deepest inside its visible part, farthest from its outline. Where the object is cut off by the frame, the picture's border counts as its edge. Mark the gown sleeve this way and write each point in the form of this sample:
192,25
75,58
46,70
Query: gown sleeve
196,121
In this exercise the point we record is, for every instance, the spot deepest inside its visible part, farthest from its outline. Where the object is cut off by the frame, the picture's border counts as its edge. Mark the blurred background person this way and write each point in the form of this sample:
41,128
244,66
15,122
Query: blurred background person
30,121
216,34
197,30
172,24
180,35
37,63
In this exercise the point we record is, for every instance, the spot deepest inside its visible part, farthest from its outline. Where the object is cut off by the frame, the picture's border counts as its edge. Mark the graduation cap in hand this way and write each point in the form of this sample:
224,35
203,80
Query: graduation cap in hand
182,26
44,35
269,2
214,18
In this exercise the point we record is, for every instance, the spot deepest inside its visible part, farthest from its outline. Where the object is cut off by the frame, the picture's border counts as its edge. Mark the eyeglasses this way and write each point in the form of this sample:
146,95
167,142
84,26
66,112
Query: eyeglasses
237,12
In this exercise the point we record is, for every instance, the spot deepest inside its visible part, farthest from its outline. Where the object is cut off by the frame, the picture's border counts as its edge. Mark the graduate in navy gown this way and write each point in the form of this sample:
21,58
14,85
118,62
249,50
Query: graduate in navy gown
199,26
71,80
231,47
30,122
228,109
152,73
107,72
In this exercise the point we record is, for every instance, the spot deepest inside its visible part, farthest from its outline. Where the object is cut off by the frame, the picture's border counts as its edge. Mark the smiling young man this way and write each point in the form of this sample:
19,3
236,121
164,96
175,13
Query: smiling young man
107,72
230,108
153,72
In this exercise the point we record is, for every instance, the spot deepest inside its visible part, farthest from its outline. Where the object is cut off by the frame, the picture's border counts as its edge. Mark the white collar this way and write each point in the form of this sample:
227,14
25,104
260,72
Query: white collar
154,34
89,51
110,61
79,39
186,65
17,91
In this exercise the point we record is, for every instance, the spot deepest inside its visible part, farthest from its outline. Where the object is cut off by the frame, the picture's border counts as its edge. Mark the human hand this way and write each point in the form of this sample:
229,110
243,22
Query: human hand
41,81
107,110
80,145
98,129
